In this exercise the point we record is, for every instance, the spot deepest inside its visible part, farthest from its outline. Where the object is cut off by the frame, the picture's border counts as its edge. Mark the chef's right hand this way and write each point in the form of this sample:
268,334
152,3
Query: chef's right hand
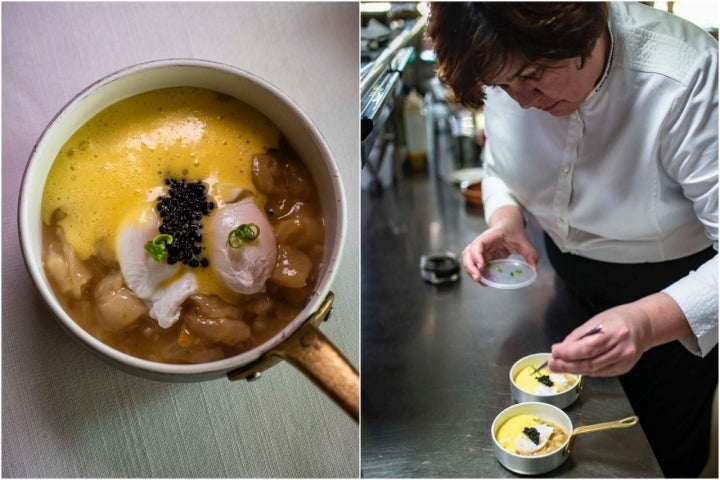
505,236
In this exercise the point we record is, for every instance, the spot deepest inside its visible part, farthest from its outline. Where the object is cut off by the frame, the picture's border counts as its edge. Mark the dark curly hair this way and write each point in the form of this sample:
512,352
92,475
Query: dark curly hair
473,41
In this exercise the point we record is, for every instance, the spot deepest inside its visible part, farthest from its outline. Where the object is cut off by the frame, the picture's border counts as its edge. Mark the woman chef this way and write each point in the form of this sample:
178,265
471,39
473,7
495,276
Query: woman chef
601,123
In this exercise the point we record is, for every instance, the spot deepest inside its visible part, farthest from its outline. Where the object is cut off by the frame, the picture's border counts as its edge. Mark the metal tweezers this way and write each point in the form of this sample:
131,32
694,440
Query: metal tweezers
595,330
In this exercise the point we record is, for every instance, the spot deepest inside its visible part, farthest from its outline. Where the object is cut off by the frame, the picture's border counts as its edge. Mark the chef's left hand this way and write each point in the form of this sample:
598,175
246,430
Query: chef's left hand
613,351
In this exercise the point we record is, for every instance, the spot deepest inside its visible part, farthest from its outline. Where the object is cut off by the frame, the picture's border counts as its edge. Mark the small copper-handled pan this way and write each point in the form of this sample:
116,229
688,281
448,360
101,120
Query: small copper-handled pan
300,342
545,462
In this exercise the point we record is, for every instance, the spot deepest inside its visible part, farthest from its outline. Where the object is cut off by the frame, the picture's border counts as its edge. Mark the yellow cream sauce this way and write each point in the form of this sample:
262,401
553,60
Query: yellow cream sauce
527,381
509,431
118,161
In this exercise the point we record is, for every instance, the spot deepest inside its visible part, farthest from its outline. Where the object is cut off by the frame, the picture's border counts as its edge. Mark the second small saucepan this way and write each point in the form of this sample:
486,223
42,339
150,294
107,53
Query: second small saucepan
507,441
562,399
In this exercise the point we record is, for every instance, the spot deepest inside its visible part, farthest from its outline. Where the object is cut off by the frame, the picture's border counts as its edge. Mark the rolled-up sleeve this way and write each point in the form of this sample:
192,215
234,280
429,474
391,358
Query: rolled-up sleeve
697,296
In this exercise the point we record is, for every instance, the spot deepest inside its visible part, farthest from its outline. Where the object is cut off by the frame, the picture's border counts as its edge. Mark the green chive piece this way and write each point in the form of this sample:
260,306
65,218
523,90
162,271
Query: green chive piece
246,232
157,247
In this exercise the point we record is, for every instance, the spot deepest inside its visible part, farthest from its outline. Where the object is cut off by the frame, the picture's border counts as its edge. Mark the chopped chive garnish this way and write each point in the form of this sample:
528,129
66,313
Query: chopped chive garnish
157,247
245,232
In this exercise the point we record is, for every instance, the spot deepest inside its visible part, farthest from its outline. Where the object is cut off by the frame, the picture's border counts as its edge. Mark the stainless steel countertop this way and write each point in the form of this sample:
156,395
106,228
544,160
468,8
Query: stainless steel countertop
435,359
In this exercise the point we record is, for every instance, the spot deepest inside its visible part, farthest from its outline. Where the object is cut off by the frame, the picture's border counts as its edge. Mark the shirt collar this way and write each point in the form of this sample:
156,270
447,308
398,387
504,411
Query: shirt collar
609,65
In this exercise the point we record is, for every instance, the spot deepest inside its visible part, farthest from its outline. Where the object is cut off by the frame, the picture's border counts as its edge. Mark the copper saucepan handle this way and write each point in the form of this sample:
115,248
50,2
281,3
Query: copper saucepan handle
625,422
311,352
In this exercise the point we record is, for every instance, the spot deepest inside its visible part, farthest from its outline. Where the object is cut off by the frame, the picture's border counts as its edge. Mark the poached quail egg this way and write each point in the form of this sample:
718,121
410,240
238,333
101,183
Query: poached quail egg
246,269
162,286
525,445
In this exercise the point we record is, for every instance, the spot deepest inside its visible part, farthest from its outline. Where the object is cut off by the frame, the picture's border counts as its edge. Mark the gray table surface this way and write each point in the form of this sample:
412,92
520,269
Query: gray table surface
436,358
65,413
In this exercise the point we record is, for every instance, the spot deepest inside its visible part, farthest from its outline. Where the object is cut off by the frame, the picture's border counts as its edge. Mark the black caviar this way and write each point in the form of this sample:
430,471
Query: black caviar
181,212
545,380
532,434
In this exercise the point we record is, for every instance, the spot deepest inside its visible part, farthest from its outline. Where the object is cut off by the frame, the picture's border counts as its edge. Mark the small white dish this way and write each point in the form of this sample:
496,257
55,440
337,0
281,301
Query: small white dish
508,273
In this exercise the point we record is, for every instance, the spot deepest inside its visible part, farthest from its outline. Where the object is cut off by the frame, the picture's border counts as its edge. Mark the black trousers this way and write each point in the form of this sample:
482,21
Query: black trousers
670,389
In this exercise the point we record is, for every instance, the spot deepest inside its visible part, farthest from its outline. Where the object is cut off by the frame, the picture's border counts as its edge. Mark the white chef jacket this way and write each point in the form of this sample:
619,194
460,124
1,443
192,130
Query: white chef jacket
632,175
